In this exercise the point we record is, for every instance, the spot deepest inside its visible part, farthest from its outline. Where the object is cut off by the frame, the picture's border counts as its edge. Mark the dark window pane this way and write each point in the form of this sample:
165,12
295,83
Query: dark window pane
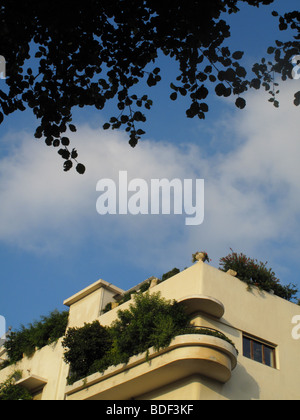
257,352
247,347
268,353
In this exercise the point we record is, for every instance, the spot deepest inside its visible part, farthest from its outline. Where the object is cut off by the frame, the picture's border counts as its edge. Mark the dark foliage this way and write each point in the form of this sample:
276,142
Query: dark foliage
86,54
37,335
256,273
170,274
150,321
9,391
84,346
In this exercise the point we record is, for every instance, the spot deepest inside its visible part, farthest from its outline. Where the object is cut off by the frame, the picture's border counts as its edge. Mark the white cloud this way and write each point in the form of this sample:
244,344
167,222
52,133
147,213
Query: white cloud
43,208
251,191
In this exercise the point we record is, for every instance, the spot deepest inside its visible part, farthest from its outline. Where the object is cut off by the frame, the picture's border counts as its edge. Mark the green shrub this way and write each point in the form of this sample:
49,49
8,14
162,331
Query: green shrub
85,346
37,335
256,273
144,287
170,274
150,321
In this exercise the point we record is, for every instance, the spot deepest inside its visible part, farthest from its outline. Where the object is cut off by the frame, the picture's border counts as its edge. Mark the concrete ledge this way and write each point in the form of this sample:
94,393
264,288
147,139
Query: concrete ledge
90,289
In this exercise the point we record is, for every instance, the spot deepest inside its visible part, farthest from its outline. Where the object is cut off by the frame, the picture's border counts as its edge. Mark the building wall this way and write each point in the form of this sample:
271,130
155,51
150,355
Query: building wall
47,363
259,314
185,389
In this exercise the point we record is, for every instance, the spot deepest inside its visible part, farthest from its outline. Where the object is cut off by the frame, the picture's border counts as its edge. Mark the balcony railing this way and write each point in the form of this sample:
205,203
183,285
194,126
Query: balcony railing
197,351
196,329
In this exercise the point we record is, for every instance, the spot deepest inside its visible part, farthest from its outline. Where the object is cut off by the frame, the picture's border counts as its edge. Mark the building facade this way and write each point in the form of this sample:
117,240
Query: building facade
263,363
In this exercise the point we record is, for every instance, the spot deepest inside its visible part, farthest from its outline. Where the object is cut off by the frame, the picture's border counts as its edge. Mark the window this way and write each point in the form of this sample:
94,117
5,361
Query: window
258,351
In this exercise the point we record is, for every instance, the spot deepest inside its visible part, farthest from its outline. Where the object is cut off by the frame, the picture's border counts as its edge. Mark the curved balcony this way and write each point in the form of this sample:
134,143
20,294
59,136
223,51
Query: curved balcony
202,303
187,355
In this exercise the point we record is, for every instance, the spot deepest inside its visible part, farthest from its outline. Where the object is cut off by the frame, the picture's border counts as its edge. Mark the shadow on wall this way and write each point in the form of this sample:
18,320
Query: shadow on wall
241,386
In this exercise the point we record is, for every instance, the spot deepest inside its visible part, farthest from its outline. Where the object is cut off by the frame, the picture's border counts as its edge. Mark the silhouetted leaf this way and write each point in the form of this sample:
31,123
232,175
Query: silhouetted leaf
74,154
80,168
65,154
56,143
238,55
297,99
65,141
72,128
133,140
240,103
204,107
49,141
68,165
255,83
140,132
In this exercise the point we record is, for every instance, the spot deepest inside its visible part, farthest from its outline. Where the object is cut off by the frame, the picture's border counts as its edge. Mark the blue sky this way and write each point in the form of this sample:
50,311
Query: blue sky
52,241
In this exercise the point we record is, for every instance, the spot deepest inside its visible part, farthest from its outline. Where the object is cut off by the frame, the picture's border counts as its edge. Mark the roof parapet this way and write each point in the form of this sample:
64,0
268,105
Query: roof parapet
92,288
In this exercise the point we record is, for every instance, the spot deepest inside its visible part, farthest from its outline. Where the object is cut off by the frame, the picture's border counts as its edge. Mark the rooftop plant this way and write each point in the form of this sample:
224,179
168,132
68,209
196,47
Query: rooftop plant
144,287
256,273
170,274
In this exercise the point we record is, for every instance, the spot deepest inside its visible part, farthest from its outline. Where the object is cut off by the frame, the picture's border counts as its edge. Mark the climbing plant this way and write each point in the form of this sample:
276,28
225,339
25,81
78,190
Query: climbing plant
9,391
